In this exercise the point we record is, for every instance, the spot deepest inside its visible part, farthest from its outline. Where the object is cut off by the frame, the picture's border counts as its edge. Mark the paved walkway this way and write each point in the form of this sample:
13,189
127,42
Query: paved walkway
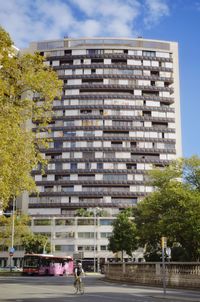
158,293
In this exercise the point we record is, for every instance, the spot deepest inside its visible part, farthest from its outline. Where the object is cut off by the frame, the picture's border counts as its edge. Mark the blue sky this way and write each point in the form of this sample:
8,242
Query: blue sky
173,20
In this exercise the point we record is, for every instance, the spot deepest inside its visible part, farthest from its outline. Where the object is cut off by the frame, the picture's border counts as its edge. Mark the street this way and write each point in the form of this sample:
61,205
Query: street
60,289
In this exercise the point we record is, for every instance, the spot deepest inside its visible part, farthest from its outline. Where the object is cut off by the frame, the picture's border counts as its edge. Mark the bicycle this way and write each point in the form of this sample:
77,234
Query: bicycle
79,286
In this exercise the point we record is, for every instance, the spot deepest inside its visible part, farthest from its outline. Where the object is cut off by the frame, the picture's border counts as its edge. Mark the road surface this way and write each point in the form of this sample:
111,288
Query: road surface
60,289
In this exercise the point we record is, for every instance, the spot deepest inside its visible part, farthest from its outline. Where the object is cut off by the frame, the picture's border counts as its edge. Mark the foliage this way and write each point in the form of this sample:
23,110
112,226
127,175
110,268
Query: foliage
191,172
21,229
83,213
102,213
22,76
36,243
124,236
173,210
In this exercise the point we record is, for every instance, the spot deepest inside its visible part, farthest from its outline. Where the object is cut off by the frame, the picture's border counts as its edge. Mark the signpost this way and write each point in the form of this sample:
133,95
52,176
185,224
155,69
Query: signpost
164,246
11,253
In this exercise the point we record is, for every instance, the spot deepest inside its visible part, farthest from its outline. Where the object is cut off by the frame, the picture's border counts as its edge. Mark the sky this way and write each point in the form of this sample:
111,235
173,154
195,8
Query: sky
171,20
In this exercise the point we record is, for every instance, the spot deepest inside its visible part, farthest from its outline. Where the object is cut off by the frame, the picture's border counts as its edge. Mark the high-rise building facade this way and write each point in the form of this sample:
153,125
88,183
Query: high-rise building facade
119,116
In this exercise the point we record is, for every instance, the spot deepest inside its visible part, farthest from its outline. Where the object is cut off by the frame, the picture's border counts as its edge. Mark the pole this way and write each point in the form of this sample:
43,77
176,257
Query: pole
13,231
94,240
13,224
164,244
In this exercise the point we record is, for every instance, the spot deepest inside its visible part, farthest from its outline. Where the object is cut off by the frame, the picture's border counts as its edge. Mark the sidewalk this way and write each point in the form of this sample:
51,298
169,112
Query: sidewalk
172,294
178,296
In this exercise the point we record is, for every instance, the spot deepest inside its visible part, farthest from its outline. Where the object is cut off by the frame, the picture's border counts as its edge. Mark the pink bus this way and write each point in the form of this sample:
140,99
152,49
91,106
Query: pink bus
39,264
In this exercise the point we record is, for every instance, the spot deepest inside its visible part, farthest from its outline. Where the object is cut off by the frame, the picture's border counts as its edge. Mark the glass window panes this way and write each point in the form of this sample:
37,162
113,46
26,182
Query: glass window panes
42,222
64,222
106,221
105,234
85,235
85,221
63,235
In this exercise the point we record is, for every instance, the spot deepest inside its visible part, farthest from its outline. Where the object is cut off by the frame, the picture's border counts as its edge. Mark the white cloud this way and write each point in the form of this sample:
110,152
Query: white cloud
28,20
156,9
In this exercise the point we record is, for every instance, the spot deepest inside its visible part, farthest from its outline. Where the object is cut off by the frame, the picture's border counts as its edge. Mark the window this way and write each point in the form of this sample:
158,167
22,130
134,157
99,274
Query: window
64,248
103,248
95,51
85,235
48,188
69,133
87,166
63,235
42,222
43,234
99,165
58,144
85,111
131,166
85,222
64,222
67,189
106,221
149,53
106,235
115,177
73,166
58,166
87,248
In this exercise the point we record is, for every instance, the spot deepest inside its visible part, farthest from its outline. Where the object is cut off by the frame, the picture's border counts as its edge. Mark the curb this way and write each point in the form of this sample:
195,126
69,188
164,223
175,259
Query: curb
178,298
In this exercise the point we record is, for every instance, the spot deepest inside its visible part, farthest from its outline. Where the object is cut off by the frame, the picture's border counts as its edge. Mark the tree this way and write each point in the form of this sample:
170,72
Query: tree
172,210
124,235
21,230
36,243
84,213
22,77
23,236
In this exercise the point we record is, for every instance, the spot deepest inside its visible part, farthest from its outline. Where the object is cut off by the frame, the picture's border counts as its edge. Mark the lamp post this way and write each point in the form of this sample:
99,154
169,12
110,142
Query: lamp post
95,238
11,249
13,224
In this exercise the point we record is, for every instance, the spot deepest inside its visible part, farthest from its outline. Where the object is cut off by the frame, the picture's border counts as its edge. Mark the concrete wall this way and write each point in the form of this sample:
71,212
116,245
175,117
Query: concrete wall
177,274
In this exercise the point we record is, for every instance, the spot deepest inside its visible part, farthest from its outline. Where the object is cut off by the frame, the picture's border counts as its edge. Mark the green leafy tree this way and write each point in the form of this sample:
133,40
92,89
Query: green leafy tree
172,210
21,77
36,243
124,235
21,229
84,213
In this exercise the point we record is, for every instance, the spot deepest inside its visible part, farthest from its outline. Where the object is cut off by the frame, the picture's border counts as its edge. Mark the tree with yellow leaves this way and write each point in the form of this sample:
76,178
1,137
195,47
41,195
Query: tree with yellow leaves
21,77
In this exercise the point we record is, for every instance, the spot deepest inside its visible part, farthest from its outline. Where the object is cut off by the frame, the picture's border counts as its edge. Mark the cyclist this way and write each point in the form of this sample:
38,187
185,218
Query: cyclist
78,273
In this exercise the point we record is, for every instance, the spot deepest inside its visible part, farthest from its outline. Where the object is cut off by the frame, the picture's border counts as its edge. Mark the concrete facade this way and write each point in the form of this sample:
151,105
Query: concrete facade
119,116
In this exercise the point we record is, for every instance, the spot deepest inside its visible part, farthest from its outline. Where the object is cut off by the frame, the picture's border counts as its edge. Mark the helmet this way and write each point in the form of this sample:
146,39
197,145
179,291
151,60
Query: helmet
79,264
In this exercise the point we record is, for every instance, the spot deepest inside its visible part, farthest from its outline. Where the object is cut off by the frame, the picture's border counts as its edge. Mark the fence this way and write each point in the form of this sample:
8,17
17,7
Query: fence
178,274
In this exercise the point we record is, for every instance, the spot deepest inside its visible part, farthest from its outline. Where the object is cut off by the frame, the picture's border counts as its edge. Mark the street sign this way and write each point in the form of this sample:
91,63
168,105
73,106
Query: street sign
168,252
11,250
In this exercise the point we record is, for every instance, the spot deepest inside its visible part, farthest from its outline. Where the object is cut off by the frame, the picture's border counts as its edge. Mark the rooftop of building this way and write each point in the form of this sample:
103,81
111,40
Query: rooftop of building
103,42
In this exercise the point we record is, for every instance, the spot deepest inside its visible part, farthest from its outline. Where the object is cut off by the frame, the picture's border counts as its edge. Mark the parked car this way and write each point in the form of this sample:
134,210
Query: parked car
13,269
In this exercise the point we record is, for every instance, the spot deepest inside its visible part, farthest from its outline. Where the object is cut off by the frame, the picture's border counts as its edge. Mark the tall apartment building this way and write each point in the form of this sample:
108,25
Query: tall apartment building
119,116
